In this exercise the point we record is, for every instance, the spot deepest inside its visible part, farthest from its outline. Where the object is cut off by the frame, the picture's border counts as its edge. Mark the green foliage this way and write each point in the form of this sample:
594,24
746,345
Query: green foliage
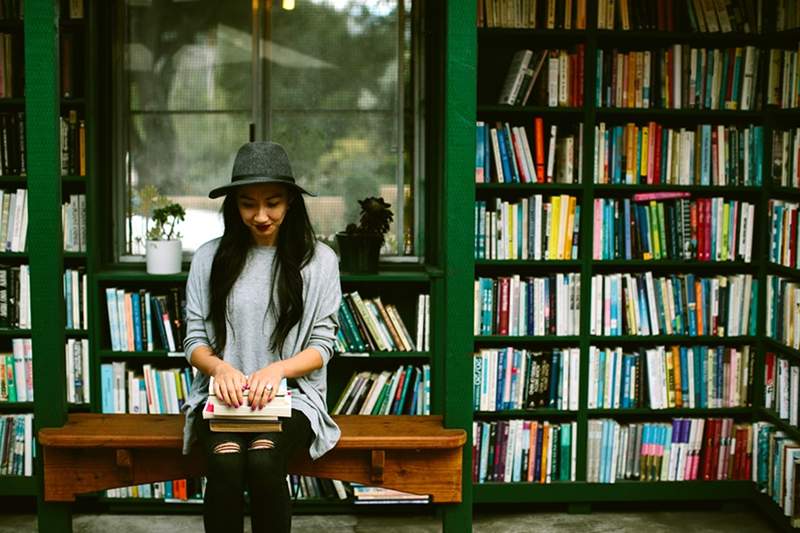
165,219
375,218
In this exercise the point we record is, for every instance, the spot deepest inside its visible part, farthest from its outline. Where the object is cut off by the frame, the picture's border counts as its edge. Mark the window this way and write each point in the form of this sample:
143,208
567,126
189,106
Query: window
199,77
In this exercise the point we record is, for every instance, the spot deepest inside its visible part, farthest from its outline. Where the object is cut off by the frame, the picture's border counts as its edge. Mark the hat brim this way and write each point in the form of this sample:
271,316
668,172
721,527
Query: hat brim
255,180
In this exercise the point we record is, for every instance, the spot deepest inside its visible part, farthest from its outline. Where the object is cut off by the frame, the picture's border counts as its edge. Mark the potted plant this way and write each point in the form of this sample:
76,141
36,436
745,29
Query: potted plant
360,245
163,247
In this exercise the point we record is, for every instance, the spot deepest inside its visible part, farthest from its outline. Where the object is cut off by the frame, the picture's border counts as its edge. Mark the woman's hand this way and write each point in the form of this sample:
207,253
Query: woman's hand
229,384
264,385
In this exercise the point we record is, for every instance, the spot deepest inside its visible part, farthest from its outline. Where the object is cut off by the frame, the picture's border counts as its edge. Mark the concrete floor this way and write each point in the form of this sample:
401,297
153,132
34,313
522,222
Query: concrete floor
742,520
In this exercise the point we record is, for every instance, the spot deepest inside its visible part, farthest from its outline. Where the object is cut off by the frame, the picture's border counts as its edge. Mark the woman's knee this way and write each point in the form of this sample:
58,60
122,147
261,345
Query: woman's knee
226,461
264,459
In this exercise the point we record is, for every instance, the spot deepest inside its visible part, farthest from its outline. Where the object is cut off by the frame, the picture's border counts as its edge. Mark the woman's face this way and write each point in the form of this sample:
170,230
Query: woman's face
263,208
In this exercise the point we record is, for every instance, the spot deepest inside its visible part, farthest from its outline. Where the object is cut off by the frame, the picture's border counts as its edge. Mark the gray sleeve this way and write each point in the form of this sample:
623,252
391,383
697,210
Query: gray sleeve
197,307
326,324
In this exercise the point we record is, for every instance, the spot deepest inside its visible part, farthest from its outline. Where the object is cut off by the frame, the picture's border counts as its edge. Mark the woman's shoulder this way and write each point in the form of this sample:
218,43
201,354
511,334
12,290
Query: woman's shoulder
205,253
325,259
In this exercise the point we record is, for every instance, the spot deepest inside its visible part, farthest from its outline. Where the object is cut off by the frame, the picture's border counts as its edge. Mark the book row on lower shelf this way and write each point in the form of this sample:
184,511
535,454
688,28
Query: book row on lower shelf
784,233
368,325
670,226
154,391
776,468
139,320
531,451
654,154
532,228
532,14
16,372
527,306
301,488
680,77
509,379
642,304
16,445
782,387
75,298
681,450
406,391
664,377
13,220
508,153
73,222
783,311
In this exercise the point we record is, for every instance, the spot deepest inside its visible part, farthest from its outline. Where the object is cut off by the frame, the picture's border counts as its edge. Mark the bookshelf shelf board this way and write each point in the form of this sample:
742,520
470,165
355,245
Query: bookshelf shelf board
489,110
671,339
784,117
16,407
662,38
693,115
73,179
530,188
671,264
11,101
538,413
772,344
157,506
789,193
528,263
782,38
385,355
144,356
767,505
72,23
18,486
505,340
140,276
14,332
71,101
79,407
780,270
394,276
518,36
713,190
783,425
75,255
619,491
675,411
76,332
13,256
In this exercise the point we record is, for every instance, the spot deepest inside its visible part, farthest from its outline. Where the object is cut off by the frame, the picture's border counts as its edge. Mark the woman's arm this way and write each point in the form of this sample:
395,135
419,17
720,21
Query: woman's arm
298,365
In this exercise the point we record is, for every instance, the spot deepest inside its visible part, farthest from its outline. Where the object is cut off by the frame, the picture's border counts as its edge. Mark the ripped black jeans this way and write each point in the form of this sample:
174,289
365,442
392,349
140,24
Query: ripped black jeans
258,462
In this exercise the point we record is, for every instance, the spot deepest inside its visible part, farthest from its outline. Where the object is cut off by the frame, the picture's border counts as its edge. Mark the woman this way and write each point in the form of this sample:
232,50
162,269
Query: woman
261,304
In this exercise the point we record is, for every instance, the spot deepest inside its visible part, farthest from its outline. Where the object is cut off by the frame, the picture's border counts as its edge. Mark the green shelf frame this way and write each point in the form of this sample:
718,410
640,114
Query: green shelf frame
692,340
14,332
786,193
385,355
562,264
689,115
531,188
19,485
533,111
669,264
776,346
781,424
706,190
506,340
672,411
7,408
157,355
538,413
786,272
621,491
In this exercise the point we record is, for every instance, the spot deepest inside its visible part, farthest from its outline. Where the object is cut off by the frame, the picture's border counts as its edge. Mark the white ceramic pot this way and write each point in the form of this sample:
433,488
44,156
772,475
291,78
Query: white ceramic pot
164,257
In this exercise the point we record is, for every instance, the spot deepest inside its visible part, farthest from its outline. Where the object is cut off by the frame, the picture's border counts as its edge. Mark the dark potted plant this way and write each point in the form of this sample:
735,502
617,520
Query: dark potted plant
360,245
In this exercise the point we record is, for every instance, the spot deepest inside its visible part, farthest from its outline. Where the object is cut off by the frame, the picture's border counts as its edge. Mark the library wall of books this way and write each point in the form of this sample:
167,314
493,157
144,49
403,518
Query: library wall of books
636,288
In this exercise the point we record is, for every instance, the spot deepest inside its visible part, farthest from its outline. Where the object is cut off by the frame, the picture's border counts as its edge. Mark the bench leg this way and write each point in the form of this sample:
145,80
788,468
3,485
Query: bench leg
456,517
53,517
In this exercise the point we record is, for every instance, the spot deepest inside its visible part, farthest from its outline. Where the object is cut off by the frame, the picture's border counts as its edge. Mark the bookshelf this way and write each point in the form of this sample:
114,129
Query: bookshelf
495,49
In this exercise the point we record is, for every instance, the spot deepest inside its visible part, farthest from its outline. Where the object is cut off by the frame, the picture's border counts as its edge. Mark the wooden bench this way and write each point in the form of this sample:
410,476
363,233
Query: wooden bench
94,452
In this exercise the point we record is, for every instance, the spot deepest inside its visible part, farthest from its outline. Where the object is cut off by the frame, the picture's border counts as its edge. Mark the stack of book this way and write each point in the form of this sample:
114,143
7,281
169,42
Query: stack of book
244,419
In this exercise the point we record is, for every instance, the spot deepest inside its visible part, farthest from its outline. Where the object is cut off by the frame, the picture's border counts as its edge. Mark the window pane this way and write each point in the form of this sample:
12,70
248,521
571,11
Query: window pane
335,106
189,84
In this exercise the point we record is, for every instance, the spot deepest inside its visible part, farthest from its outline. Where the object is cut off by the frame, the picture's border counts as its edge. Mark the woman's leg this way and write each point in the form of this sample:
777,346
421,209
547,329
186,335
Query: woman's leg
223,505
268,457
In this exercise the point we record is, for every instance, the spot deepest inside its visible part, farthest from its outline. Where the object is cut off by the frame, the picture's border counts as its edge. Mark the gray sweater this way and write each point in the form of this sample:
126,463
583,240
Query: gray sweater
247,345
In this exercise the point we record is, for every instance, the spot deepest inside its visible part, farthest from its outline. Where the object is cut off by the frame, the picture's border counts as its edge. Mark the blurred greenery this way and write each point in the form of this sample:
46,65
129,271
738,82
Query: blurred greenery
332,96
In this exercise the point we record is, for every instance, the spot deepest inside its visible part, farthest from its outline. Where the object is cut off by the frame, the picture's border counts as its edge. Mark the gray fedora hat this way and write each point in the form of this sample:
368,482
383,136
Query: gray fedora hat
259,162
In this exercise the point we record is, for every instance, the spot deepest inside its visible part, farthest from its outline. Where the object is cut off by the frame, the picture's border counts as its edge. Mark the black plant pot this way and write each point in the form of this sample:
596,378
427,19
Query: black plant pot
359,253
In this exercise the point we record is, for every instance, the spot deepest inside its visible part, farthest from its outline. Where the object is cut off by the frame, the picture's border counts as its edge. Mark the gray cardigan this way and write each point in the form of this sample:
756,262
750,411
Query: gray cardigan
246,346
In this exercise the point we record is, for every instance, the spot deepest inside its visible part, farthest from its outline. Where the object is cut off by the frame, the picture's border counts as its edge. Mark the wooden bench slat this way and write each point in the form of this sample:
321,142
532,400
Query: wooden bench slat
166,431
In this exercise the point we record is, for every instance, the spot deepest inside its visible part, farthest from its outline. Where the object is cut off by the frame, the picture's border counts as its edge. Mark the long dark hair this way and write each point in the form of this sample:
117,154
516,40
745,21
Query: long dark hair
294,249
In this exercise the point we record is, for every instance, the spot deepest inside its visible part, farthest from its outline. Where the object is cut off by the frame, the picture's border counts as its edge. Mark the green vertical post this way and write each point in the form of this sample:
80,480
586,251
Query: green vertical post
44,236
458,201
